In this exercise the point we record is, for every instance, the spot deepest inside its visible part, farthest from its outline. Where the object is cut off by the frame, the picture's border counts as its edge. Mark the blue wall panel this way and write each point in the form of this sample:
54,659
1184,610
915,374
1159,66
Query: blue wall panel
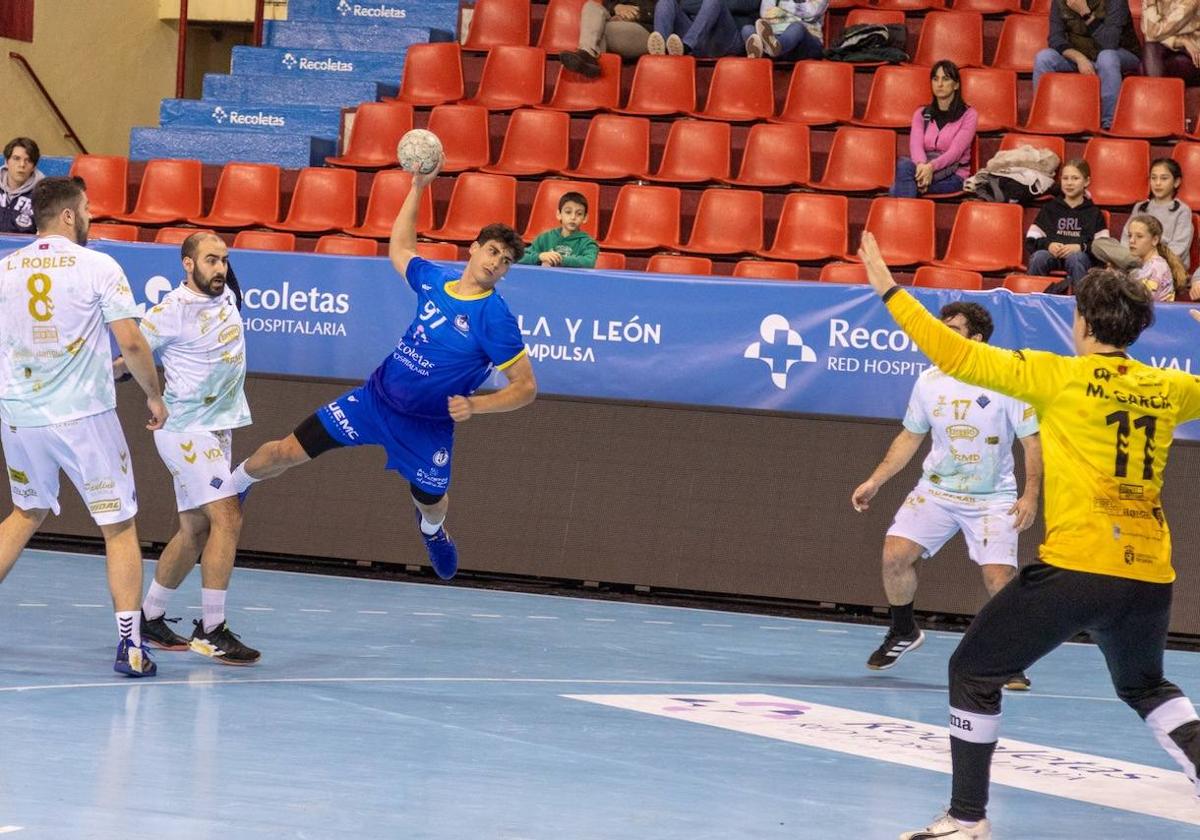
435,14
293,151
227,114
342,36
318,64
275,90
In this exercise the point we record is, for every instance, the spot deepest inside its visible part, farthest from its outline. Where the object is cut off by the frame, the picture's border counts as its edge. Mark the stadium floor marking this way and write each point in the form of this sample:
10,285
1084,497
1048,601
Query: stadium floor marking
9,829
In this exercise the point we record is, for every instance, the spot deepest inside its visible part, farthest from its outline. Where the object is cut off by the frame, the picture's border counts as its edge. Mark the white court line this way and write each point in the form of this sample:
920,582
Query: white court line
91,606
830,630
428,613
605,620
9,829
652,621
259,609
542,617
372,612
773,627
486,615
33,605
318,611
716,625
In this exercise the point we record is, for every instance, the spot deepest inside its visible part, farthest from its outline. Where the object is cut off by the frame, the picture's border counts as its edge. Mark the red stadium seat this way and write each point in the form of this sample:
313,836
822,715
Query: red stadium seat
765,270
478,200
1065,103
986,237
347,246
1150,108
116,233
433,74
854,273
437,251
170,192
696,151
247,196
615,148
993,94
610,262
1188,157
107,178
1021,38
324,199
860,160
1013,140
1039,7
265,240
1026,283
663,85
936,277
989,7
727,222
957,36
896,92
904,229
388,191
498,23
820,93
176,235
536,141
513,77
910,5
859,17
644,218
544,214
1120,169
741,90
811,227
463,130
377,129
576,93
678,264
560,26
776,155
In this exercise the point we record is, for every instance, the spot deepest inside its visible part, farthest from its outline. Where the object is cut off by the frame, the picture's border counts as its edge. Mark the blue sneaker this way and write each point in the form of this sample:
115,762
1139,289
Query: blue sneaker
442,552
134,660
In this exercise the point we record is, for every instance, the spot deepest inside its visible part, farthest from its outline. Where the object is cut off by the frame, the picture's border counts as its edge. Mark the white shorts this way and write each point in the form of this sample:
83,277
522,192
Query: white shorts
930,517
199,463
90,450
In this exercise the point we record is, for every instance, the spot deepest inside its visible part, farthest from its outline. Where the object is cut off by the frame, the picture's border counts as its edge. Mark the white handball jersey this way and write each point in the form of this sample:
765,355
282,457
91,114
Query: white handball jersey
973,431
203,350
55,355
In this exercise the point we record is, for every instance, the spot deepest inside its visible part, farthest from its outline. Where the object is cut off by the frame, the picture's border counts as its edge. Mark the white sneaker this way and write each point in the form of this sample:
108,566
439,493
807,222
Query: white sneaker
946,827
770,43
674,45
754,47
655,44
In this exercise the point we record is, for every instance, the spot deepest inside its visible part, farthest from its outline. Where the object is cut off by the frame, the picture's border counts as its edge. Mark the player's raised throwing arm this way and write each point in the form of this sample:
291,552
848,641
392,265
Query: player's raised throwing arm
139,361
402,246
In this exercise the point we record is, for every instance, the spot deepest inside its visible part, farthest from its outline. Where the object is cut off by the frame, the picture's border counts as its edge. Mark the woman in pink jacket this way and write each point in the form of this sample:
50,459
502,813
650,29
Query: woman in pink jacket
940,143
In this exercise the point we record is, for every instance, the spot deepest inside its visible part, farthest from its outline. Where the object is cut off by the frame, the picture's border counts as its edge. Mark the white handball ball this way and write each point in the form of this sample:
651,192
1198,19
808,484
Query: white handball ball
419,151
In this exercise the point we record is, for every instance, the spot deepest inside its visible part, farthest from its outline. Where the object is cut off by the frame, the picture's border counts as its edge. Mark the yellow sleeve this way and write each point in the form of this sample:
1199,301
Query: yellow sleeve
1032,376
1189,398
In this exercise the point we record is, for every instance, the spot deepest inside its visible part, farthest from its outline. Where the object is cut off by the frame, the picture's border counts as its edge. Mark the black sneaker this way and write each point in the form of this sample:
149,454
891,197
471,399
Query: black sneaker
222,644
1020,682
894,646
157,634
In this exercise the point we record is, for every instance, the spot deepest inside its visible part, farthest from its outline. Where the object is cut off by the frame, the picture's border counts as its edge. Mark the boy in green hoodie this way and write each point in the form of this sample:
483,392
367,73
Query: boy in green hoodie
566,246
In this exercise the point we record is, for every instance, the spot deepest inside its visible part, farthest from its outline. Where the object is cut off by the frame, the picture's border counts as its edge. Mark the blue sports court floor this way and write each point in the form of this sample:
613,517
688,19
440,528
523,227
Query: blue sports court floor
392,710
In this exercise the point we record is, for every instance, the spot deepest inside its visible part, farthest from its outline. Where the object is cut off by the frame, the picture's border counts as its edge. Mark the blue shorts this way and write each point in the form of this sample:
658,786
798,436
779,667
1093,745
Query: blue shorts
417,447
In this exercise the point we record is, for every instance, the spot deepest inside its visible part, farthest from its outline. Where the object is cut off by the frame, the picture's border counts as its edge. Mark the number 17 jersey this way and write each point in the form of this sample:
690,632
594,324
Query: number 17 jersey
55,359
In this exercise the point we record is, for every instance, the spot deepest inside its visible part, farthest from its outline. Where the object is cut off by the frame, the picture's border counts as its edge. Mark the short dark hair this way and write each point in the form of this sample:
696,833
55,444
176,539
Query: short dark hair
979,320
505,235
1115,307
191,245
53,195
26,143
576,197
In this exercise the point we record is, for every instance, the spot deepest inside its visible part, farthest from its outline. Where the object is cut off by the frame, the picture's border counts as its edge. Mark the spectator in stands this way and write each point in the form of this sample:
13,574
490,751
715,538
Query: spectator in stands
1172,47
1160,269
621,28
1195,295
941,138
566,246
704,28
1092,37
1061,235
18,176
790,30
1174,217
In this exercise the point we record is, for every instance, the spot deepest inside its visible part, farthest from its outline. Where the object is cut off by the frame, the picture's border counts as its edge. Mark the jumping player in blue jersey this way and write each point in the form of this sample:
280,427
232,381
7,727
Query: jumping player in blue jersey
409,405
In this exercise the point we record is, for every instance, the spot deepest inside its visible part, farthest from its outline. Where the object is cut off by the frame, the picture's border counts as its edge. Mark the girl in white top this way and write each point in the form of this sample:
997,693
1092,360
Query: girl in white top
1161,269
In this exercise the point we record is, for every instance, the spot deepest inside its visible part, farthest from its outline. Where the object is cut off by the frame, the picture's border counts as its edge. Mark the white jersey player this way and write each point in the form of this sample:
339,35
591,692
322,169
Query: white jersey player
58,303
967,485
197,332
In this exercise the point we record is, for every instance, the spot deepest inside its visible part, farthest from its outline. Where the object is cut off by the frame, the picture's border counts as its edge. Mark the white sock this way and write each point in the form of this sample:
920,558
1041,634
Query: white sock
242,479
155,604
212,601
129,626
966,823
430,528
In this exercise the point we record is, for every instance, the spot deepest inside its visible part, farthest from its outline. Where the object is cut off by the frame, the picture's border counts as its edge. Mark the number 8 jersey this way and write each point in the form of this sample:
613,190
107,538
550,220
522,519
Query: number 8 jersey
55,357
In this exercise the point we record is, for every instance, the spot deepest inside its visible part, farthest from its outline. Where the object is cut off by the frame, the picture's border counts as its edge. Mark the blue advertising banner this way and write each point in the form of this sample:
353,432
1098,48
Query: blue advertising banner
314,120
795,347
371,37
220,146
287,90
332,64
436,14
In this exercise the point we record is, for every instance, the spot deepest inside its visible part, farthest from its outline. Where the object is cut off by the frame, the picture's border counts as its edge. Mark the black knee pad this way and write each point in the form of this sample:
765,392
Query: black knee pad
424,497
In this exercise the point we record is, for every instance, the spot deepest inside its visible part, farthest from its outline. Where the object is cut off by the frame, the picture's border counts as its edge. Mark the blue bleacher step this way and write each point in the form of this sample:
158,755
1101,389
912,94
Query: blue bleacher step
249,116
362,37
286,90
53,166
220,146
434,14
318,64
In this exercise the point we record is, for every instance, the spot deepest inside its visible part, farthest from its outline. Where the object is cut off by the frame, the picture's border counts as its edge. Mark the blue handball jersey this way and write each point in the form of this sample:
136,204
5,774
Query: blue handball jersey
450,347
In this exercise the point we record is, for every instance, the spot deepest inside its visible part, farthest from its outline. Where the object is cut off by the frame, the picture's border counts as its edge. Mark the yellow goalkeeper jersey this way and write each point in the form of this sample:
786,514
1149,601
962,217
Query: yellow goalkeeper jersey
1107,422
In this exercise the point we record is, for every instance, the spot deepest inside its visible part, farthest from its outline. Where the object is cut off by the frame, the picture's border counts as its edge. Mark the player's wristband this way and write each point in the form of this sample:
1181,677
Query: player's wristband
888,294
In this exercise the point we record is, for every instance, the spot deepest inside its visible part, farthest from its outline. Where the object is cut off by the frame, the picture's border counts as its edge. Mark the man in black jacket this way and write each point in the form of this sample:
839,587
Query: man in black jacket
18,176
